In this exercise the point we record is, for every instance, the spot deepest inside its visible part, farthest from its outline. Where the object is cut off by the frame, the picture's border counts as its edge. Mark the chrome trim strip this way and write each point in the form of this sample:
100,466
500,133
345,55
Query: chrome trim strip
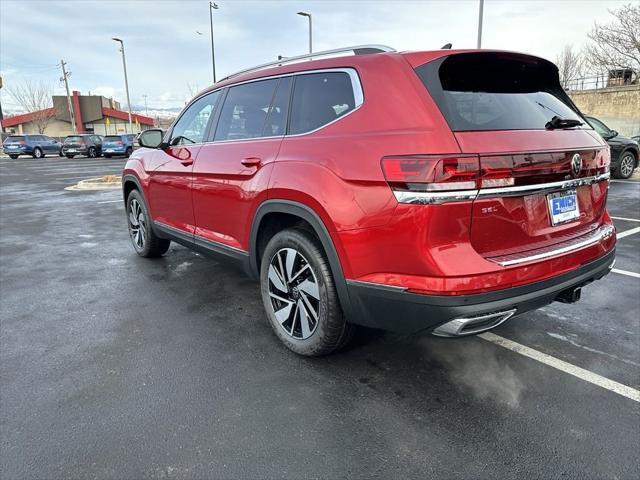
381,286
576,244
542,187
199,237
434,198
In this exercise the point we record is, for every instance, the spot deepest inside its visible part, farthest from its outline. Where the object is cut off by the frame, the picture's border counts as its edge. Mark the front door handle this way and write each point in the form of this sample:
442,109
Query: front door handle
186,162
251,162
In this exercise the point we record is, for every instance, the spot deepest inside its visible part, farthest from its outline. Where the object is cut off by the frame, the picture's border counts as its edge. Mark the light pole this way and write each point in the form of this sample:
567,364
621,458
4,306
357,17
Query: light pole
308,15
212,7
146,110
126,81
480,24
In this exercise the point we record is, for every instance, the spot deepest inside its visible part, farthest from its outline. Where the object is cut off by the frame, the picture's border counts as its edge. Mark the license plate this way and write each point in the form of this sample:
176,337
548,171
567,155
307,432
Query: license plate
109,150
12,146
563,207
71,150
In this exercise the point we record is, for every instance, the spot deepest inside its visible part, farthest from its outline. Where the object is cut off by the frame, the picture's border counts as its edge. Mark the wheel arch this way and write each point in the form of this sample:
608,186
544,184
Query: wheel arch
306,214
131,182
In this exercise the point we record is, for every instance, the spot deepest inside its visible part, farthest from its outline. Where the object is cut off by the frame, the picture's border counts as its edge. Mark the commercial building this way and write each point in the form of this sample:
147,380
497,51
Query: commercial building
93,114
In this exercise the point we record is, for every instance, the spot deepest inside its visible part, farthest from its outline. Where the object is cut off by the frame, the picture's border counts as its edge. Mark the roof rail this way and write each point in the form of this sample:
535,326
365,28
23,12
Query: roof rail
357,50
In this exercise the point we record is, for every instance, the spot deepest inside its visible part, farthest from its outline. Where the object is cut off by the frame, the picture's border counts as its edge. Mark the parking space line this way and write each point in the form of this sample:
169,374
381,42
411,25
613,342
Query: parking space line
626,233
626,219
563,366
112,201
625,181
625,272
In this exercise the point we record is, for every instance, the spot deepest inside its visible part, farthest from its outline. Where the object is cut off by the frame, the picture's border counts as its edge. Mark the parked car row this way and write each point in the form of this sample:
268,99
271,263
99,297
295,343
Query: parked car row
87,145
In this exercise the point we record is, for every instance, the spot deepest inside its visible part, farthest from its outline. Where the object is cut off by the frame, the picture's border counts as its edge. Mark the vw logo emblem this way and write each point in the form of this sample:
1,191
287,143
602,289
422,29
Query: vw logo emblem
576,164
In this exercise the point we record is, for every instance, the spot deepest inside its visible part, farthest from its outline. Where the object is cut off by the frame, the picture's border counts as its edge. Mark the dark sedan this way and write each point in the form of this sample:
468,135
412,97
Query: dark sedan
624,150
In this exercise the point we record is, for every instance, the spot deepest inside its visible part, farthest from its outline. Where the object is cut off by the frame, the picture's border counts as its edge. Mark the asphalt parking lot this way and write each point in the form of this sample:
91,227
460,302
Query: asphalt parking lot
113,366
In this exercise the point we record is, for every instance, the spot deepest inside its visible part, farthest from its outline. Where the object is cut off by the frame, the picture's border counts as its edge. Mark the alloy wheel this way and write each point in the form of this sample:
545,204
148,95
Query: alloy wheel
92,152
137,225
37,153
626,165
294,293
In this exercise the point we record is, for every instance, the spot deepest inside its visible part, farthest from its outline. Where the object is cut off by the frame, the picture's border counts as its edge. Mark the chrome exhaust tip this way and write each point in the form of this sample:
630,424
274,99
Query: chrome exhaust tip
459,327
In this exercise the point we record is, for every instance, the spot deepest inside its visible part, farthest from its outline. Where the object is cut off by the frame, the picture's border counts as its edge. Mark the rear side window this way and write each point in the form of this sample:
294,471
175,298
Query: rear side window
112,138
319,99
245,110
489,91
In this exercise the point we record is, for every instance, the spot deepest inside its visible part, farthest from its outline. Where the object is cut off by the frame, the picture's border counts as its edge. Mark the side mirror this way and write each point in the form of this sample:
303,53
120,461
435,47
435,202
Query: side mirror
613,133
151,138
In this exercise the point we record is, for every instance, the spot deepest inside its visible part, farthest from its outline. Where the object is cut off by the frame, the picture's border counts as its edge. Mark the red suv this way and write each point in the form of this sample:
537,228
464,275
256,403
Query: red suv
441,191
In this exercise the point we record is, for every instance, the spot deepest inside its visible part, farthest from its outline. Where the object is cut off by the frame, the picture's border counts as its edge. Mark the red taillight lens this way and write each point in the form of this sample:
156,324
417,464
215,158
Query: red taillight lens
432,172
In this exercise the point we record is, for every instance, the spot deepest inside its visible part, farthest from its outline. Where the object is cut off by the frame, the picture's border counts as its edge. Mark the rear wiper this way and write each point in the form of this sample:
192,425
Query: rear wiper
557,122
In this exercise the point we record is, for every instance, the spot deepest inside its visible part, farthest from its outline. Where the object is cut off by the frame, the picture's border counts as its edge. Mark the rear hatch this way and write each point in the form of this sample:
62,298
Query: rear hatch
74,141
14,141
541,181
112,141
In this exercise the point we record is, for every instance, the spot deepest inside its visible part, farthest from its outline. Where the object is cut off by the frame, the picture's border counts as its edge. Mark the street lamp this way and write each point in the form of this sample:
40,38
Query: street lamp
212,7
308,15
480,23
126,81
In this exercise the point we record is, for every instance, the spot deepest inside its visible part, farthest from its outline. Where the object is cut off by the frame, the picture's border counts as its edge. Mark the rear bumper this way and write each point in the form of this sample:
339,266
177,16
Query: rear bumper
393,308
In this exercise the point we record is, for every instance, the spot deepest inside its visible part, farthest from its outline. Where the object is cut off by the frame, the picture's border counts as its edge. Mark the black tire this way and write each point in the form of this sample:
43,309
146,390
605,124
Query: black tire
37,153
69,156
92,153
106,155
330,331
128,152
151,246
626,165
14,157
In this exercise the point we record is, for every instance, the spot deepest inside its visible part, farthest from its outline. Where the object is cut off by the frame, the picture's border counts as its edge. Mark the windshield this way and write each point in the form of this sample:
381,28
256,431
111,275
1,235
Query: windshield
73,139
490,91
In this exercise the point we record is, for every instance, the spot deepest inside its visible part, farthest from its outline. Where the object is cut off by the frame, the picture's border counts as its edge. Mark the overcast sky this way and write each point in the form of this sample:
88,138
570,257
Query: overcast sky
165,53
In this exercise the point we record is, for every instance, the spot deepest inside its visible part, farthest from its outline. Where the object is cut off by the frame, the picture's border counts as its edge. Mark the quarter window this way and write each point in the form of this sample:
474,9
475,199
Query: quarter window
319,99
192,125
245,110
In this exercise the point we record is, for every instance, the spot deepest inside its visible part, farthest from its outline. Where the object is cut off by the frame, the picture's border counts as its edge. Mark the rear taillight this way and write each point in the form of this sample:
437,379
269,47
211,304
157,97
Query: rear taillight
431,173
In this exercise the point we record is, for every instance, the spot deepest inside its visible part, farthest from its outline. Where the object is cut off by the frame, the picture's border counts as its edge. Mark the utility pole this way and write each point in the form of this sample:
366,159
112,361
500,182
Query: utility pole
212,6
65,76
146,110
126,81
1,115
480,24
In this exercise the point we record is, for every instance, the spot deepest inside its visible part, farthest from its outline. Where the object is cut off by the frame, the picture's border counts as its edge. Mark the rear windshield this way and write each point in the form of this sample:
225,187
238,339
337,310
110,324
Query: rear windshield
14,138
112,138
495,91
73,139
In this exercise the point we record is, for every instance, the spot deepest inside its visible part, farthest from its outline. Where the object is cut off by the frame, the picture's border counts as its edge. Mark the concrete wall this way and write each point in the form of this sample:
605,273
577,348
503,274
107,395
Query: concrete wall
618,107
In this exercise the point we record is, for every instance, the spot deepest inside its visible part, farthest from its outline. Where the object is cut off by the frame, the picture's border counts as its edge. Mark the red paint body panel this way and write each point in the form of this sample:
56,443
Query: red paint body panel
336,172
226,193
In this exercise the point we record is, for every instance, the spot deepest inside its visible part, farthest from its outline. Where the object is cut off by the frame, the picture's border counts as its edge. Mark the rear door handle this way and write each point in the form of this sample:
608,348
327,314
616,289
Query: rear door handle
251,162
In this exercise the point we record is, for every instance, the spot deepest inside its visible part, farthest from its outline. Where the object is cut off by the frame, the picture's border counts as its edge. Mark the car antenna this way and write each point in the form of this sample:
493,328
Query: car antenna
446,46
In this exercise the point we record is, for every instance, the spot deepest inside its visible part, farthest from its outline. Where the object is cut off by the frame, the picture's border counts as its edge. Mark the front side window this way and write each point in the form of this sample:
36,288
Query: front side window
599,127
245,110
319,99
192,125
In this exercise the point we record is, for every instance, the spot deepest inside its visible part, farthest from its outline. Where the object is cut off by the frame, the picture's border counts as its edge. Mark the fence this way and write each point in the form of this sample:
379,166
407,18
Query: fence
604,80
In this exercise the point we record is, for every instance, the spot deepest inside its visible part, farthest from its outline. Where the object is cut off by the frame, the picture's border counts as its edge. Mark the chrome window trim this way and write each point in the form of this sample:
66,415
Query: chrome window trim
590,238
436,198
356,85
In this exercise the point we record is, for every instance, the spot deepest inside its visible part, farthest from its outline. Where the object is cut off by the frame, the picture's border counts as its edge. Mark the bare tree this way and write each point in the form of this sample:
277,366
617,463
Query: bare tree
35,98
570,65
617,44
